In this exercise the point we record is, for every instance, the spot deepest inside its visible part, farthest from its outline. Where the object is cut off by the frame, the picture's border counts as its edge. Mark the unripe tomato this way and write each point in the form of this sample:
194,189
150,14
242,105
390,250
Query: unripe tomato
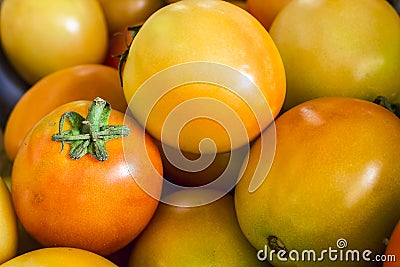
42,36
334,183
339,48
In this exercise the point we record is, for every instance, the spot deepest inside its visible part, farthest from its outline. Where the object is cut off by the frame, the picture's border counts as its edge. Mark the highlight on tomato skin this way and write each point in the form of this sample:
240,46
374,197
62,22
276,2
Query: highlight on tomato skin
70,189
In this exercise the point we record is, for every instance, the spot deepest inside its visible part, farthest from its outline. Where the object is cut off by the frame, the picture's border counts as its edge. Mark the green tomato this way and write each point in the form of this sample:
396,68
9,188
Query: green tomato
339,48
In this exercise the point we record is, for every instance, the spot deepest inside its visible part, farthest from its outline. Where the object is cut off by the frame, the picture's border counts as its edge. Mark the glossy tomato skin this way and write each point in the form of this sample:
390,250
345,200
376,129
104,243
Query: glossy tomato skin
59,34
206,31
353,54
85,203
81,82
335,175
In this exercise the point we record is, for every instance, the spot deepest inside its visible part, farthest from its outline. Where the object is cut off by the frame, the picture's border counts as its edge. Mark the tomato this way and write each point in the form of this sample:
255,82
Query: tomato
208,76
339,48
334,181
8,225
123,13
118,43
184,233
89,201
266,11
58,34
81,82
60,257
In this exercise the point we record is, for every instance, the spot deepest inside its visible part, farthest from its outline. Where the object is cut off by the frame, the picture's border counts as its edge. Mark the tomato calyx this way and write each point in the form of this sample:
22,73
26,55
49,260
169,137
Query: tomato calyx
392,107
134,30
88,135
276,245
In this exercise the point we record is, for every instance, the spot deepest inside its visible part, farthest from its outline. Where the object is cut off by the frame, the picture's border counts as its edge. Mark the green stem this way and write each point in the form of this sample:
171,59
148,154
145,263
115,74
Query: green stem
89,135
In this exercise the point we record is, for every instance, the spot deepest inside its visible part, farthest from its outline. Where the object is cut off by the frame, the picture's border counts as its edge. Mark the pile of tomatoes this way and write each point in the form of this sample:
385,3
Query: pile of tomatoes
199,133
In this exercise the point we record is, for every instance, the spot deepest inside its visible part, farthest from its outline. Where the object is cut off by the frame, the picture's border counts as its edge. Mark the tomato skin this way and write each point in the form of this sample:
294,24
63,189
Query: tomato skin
335,175
206,31
58,256
84,203
393,248
354,54
81,82
75,33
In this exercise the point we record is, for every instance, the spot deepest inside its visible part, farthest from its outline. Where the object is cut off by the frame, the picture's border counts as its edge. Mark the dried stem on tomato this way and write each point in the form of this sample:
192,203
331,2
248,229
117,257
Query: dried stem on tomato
88,135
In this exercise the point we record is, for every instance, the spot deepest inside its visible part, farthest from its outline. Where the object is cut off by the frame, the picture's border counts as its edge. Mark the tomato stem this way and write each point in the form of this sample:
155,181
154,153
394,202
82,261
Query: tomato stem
89,135
392,107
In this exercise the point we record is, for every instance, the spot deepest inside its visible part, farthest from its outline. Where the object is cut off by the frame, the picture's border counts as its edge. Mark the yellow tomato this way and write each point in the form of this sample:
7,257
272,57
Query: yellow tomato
58,257
42,36
339,48
80,82
8,225
210,65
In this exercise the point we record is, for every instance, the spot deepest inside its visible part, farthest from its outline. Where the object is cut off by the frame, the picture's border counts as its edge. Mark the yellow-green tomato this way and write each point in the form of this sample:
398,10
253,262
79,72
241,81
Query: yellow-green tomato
333,186
8,225
42,36
192,235
58,257
339,48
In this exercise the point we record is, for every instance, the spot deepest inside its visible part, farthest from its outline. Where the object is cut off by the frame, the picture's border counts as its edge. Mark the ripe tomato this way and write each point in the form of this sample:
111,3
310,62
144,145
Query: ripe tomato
266,11
81,82
339,48
60,257
335,176
85,203
123,13
214,35
8,225
58,34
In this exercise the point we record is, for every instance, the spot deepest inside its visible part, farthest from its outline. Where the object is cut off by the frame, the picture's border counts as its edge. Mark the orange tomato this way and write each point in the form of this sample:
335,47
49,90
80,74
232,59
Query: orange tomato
266,11
82,82
215,35
85,203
